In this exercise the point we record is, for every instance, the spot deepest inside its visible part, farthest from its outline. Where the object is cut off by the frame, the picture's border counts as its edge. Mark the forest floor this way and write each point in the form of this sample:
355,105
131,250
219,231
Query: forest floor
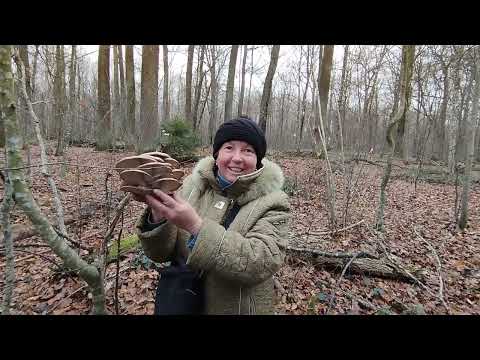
42,287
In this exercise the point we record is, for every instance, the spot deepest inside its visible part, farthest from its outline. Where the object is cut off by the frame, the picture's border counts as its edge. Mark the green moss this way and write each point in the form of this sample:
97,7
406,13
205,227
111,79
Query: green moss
127,244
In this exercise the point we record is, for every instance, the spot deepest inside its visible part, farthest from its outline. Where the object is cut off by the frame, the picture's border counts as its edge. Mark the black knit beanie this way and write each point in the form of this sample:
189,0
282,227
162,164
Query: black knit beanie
242,129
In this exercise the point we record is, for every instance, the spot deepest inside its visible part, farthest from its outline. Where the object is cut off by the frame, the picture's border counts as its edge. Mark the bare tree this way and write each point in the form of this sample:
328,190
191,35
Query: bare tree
302,106
470,132
130,102
230,83
408,56
267,88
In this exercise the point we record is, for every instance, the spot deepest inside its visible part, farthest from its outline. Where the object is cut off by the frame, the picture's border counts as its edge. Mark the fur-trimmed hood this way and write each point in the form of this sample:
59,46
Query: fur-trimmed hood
266,180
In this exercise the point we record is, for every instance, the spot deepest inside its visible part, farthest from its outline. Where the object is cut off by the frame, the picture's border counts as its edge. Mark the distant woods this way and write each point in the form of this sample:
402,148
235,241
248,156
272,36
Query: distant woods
121,95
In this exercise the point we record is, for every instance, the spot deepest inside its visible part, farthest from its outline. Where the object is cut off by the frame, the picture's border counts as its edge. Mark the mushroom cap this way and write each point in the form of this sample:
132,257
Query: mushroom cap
157,154
132,162
167,185
136,177
139,190
177,174
156,169
172,162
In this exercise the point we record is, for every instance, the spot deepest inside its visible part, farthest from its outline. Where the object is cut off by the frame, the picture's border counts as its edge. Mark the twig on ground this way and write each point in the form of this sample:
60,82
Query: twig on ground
81,288
330,303
439,270
364,303
29,257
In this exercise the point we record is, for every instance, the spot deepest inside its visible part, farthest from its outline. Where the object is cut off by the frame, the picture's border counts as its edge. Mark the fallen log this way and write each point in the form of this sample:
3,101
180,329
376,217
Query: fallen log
341,255
362,266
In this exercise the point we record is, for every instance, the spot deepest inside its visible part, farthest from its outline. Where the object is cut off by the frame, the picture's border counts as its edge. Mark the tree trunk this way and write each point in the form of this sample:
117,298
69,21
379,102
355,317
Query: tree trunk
250,83
230,84
214,88
460,146
198,86
130,102
166,100
148,96
267,88
71,90
470,134
342,97
9,279
121,65
34,71
59,86
116,111
188,86
104,123
442,152
324,82
242,86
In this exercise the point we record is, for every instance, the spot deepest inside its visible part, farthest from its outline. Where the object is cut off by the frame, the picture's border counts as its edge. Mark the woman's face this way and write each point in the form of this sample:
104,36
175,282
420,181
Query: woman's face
236,158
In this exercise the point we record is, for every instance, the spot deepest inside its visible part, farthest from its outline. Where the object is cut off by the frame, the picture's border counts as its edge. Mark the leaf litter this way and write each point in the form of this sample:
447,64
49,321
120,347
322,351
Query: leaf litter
89,192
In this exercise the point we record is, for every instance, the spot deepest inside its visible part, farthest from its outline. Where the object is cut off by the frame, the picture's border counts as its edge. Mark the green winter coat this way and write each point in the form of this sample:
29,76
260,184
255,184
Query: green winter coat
238,263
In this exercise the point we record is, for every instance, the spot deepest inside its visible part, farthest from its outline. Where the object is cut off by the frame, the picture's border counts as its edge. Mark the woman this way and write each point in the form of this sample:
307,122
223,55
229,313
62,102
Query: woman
228,220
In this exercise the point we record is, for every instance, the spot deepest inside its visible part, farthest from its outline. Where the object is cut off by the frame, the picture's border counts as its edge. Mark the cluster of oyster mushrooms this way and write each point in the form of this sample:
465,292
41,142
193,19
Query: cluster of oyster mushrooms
141,174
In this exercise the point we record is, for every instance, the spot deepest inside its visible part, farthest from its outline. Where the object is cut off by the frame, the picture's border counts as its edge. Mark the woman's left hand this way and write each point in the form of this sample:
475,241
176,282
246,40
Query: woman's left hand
176,210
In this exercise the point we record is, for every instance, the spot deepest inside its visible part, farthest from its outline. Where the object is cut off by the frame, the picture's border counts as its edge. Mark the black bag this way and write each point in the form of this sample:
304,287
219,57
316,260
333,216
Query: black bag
179,291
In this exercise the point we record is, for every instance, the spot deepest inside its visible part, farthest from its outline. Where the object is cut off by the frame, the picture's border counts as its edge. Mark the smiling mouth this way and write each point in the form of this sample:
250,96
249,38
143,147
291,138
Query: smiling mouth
235,170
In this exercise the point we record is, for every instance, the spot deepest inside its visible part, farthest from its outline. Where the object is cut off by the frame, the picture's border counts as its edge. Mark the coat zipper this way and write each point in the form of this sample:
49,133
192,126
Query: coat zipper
229,207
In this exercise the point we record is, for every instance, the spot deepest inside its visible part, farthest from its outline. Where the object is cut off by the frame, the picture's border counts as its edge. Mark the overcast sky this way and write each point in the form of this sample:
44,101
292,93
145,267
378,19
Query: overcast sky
178,59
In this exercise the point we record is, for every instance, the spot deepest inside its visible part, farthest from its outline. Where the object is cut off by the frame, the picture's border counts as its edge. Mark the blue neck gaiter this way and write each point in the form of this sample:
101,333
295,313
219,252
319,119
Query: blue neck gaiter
224,183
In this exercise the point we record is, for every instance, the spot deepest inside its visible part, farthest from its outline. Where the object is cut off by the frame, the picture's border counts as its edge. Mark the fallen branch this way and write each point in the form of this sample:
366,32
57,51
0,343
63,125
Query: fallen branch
28,257
340,255
379,164
28,232
39,255
335,231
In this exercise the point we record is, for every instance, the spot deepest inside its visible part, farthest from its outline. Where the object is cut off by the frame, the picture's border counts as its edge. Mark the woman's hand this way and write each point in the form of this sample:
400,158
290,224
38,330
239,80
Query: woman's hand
174,209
